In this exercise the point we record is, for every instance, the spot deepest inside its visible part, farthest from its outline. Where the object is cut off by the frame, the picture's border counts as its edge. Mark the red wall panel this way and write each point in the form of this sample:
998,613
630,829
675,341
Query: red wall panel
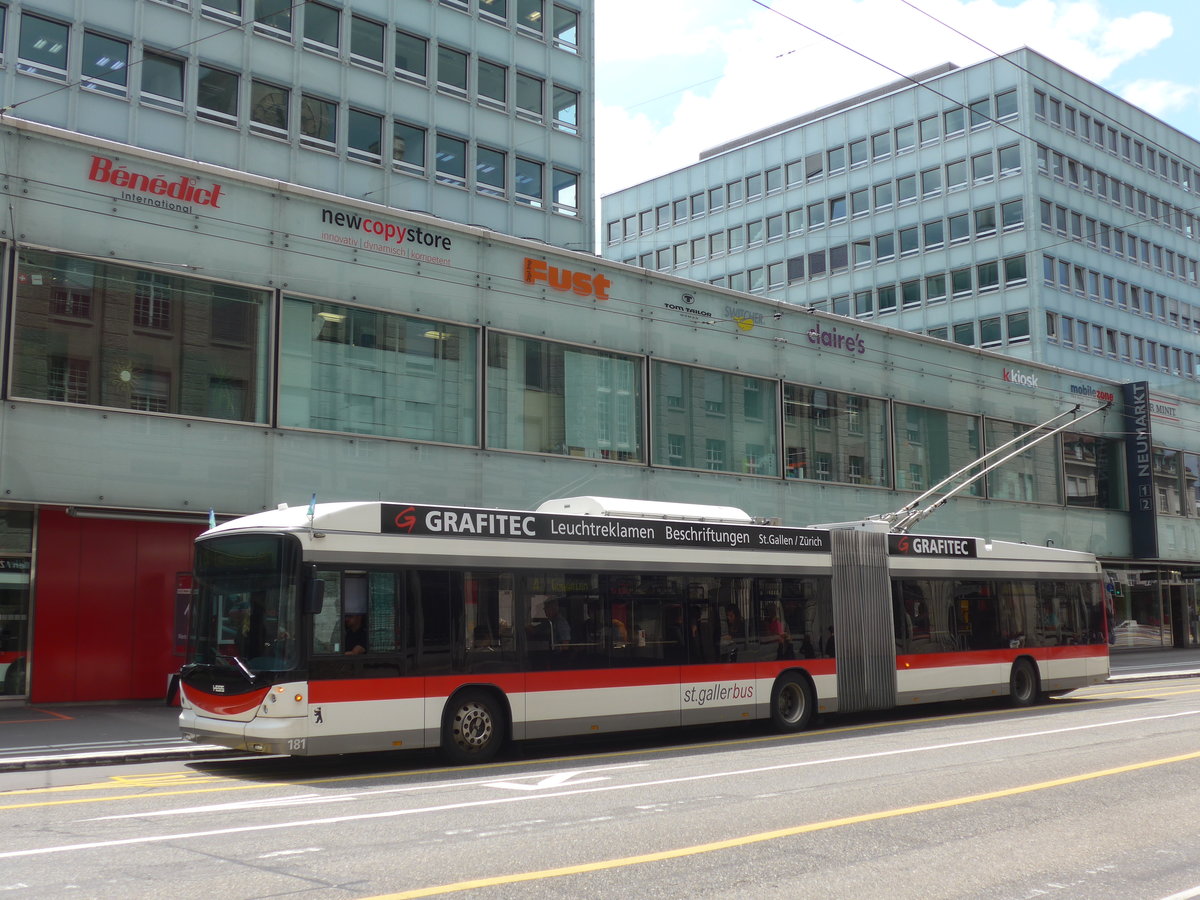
104,607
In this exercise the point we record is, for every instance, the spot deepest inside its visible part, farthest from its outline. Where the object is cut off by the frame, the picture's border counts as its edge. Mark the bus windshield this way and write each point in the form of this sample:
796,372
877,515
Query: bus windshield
245,613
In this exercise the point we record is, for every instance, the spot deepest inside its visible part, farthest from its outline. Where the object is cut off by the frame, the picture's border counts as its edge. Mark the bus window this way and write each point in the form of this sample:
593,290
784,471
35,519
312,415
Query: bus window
491,640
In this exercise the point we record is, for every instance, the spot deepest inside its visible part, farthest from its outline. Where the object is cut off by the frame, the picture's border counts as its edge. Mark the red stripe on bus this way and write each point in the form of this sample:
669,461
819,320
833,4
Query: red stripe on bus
221,705
988,657
347,690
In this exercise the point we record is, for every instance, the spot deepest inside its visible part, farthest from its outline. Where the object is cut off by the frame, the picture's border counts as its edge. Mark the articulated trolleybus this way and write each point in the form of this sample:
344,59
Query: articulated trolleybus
349,627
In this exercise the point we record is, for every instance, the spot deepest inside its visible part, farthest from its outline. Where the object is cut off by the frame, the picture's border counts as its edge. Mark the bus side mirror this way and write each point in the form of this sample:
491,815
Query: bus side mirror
316,597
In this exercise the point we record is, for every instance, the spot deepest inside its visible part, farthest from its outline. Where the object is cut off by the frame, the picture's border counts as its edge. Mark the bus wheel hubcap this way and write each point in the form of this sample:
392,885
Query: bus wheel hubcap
474,726
791,703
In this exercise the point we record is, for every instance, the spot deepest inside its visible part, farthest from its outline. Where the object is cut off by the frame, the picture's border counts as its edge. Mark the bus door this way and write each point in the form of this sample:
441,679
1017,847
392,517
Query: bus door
865,644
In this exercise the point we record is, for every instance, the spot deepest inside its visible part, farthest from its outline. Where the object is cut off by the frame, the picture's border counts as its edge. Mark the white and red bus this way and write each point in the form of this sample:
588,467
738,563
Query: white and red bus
350,627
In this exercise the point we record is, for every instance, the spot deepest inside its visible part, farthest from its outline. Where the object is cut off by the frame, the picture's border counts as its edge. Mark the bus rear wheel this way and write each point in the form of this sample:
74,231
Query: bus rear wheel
792,703
1023,688
474,728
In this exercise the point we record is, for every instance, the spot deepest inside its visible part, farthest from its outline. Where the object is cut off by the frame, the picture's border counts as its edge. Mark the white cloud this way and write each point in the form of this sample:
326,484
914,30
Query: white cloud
1160,97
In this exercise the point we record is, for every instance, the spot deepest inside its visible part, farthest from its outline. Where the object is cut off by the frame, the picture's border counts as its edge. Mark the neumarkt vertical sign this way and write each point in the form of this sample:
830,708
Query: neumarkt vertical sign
1139,467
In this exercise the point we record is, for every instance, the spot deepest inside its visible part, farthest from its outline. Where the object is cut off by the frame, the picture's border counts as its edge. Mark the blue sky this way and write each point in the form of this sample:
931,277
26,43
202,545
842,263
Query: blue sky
675,77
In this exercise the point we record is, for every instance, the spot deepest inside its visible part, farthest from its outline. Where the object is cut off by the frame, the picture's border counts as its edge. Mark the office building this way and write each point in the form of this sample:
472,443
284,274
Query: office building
479,111
1011,205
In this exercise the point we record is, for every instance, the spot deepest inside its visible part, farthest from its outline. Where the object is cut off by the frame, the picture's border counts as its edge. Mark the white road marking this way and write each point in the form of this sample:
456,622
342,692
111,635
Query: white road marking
279,853
558,779
523,798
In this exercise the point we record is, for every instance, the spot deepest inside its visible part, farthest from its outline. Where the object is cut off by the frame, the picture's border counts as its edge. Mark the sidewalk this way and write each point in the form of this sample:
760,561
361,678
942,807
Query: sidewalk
89,734
58,736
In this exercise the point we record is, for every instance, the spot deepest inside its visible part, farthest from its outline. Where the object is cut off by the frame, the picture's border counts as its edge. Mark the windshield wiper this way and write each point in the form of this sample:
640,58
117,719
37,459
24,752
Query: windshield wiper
250,676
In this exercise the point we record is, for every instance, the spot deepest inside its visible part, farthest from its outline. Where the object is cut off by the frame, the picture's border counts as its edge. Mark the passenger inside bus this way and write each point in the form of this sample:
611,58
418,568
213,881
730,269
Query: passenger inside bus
355,638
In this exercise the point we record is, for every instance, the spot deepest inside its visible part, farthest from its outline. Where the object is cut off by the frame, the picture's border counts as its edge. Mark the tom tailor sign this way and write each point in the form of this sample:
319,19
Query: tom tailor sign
491,523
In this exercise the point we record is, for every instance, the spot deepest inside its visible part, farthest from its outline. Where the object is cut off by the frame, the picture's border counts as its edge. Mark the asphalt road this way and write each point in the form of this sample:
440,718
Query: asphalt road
1090,797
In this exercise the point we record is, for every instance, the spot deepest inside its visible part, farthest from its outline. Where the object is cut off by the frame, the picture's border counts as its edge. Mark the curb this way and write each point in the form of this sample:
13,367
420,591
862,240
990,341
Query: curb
112,757
1153,676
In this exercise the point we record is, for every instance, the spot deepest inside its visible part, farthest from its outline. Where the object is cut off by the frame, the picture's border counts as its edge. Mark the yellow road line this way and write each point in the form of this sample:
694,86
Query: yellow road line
746,840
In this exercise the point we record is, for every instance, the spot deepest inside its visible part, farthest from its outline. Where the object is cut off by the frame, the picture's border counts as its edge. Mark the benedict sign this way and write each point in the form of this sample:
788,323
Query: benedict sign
177,194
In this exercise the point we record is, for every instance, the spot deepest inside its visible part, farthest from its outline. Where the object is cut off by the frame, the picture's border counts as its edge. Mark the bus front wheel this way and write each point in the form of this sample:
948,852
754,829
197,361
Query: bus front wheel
474,728
792,703
1023,686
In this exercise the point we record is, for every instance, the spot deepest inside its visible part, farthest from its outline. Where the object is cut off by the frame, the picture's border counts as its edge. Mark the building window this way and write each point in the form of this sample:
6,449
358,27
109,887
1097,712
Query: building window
105,63
490,171
269,109
742,433
162,80
1094,470
452,71
590,401
825,432
491,81
529,93
983,167
931,444
322,28
566,192
408,147
318,123
1018,327
366,43
411,57
1010,160
227,10
566,29
365,372
364,136
530,16
930,129
935,234
68,380
43,47
935,289
985,221
1012,214
528,181
216,95
274,15
1014,271
989,332
496,10
956,121
566,109
1031,476
960,282
120,365
451,161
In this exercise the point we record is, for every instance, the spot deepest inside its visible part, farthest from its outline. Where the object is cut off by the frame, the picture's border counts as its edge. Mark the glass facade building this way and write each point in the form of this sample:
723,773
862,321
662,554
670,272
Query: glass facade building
480,110
250,343
1011,205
